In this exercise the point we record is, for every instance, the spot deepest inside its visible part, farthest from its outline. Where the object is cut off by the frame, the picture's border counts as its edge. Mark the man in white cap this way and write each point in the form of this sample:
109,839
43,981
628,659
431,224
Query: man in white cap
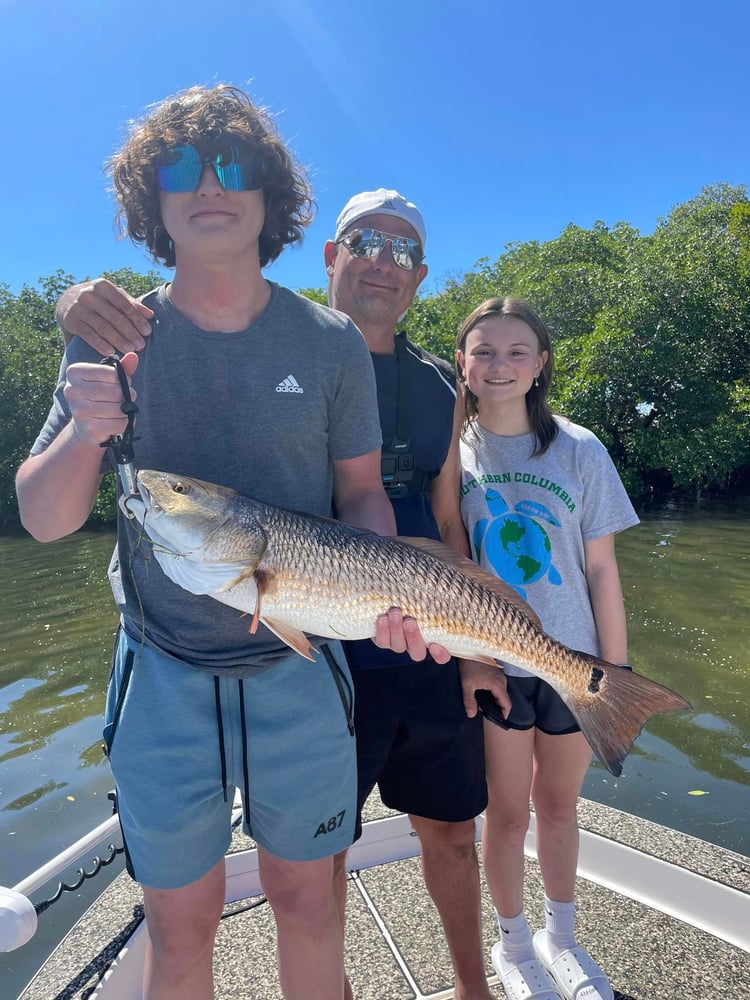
414,739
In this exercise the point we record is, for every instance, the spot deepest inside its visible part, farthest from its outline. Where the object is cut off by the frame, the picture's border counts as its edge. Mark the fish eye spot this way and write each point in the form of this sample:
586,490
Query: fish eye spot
180,488
596,675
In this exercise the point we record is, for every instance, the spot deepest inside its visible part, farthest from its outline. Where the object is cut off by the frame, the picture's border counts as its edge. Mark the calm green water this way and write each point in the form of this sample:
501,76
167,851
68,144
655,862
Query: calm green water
57,625
686,577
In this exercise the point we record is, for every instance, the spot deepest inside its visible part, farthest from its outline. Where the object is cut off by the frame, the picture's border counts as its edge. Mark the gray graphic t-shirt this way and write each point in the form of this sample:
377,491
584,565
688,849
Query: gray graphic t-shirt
528,518
265,411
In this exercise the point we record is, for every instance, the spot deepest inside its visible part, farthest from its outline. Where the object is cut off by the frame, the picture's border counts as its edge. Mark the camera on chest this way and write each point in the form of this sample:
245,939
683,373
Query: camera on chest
397,469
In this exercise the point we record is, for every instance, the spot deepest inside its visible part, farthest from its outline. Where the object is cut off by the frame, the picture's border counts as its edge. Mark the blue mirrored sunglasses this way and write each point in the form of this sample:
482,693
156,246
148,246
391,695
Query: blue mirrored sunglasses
368,244
181,171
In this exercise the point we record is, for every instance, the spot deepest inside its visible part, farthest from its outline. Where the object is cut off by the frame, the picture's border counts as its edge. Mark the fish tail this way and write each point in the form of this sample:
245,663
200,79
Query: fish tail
616,706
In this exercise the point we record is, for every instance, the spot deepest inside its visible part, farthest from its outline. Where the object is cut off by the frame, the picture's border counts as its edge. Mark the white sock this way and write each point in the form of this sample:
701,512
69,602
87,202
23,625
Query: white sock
560,919
515,938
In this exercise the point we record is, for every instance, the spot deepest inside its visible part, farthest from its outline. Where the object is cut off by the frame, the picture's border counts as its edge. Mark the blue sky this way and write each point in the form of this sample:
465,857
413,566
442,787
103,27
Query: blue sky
503,122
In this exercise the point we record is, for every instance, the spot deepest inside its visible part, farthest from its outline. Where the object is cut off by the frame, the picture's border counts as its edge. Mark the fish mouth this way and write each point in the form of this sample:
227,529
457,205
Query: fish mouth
149,520
152,505
146,495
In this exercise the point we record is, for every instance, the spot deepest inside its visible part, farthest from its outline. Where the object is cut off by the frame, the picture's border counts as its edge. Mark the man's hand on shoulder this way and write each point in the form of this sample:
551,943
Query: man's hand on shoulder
105,316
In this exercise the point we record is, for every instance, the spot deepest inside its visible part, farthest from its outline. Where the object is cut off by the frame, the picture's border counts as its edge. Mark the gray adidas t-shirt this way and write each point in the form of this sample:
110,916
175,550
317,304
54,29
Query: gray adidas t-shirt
528,518
264,411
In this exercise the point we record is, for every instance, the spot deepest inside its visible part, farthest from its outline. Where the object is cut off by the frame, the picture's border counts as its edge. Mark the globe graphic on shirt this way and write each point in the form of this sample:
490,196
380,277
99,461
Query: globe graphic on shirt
514,543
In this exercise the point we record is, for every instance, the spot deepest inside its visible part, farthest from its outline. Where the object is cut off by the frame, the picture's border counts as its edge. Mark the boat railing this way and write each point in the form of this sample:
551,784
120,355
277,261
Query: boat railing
19,915
703,902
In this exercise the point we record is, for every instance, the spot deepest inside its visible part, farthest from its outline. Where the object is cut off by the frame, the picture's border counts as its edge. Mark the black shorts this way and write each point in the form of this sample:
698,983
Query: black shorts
536,703
415,741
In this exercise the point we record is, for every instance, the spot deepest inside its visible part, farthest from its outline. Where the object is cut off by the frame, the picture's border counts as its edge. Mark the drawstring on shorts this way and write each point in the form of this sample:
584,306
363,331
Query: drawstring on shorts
220,725
222,746
245,775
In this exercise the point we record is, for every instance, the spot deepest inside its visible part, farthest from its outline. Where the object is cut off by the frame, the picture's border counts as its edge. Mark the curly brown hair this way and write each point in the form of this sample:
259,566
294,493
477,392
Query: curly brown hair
540,414
194,117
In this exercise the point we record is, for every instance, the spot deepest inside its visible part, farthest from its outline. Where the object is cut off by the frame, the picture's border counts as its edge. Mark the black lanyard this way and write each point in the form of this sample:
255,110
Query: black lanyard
122,444
401,439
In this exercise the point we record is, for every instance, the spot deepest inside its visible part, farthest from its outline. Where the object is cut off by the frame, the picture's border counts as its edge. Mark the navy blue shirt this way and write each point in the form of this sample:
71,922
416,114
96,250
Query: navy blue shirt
431,401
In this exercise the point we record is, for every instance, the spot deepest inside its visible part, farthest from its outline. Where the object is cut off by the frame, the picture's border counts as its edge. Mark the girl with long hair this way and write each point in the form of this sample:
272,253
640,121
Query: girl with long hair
541,501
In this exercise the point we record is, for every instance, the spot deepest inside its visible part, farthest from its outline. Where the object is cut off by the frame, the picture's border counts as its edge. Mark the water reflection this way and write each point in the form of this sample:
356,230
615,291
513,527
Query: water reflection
46,707
56,626
34,795
686,579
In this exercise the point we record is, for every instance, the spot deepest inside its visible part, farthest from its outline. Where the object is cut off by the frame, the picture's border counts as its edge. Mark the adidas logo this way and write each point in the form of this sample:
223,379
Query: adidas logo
289,384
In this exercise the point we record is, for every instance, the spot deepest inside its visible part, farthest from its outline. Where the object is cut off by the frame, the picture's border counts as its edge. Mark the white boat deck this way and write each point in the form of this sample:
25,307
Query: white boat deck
395,948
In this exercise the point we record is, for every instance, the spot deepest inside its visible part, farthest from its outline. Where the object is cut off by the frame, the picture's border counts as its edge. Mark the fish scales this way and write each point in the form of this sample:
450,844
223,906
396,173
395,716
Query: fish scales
361,576
299,574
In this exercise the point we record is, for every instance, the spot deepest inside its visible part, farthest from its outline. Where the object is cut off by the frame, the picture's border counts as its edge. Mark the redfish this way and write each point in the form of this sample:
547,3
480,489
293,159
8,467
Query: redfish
298,573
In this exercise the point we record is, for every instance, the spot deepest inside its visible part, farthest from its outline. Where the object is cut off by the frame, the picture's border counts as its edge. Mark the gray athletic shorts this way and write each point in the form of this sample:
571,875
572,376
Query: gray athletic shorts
180,740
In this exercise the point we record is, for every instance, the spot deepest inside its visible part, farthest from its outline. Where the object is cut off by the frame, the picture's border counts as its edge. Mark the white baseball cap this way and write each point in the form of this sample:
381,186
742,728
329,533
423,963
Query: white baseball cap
381,202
